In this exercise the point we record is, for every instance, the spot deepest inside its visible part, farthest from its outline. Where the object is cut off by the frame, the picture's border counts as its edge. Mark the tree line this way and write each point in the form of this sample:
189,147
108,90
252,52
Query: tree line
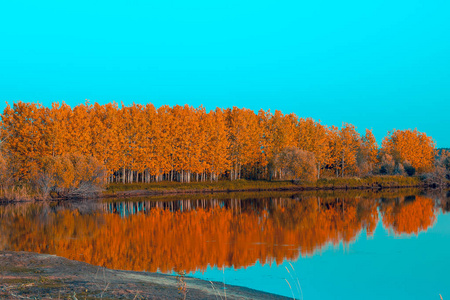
141,143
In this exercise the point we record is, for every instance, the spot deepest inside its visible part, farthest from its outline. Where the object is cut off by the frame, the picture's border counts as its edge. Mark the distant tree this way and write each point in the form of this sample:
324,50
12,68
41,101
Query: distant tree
5,171
350,143
441,174
313,137
387,164
24,137
411,146
367,154
444,161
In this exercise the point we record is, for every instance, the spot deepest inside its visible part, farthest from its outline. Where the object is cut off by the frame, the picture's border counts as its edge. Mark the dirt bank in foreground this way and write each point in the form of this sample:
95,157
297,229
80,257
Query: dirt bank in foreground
25,275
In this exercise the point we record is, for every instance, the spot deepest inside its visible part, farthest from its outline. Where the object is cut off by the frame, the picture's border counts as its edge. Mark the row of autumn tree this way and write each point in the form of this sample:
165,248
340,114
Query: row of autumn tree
141,143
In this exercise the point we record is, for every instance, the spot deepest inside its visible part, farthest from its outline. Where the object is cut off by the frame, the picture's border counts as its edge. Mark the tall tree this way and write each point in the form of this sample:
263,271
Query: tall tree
411,147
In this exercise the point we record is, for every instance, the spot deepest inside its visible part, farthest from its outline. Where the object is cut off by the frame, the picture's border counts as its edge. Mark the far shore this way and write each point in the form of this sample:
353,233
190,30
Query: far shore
120,190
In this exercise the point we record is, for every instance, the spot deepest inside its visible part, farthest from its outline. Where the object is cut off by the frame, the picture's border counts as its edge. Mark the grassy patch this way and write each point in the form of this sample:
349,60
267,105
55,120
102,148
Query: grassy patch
20,270
210,196
369,181
223,185
262,185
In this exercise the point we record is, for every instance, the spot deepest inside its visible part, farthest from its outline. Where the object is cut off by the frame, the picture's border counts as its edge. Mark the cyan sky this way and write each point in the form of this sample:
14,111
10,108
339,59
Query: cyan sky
376,64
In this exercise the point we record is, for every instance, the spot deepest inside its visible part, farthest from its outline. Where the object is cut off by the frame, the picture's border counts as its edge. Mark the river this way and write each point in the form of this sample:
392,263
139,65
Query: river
309,245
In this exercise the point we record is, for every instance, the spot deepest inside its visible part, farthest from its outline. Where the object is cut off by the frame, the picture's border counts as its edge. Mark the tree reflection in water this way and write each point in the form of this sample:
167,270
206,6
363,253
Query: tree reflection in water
191,235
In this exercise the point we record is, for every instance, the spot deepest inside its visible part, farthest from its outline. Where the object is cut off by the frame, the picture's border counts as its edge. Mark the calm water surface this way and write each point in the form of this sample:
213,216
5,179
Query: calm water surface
327,245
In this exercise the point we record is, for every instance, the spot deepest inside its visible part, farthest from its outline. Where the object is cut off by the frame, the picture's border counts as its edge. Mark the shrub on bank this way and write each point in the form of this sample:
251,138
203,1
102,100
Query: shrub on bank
68,175
296,164
71,175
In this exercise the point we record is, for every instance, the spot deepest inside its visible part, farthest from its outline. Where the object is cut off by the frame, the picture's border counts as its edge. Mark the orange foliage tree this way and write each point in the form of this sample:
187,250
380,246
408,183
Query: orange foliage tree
410,147
140,143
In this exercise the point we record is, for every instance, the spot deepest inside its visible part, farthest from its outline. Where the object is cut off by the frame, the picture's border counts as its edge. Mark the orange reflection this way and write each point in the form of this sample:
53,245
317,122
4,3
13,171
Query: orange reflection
192,234
409,217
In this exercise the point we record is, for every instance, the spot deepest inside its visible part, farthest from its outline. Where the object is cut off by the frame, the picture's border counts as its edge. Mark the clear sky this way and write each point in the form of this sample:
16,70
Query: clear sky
376,64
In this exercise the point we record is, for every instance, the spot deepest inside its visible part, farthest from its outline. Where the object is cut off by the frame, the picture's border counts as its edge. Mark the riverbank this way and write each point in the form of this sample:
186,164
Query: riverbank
37,276
118,190
167,188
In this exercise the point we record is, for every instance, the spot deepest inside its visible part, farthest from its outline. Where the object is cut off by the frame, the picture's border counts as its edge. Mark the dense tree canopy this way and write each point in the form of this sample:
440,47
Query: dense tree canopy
411,147
141,143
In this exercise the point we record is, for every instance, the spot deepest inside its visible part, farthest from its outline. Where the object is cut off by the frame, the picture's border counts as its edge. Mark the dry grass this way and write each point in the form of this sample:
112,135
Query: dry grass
263,185
17,194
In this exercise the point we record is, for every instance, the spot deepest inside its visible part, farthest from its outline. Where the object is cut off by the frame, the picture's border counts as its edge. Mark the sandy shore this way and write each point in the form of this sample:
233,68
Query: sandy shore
25,275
